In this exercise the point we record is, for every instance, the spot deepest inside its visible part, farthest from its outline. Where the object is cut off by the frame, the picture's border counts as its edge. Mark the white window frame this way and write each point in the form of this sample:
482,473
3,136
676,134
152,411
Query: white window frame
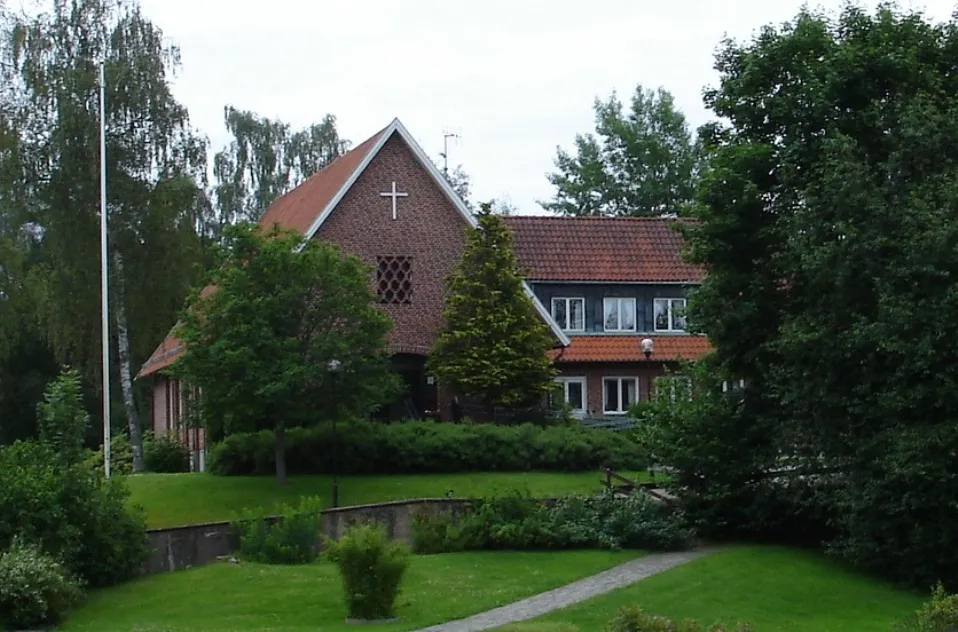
620,300
566,326
565,380
668,384
732,385
671,325
620,379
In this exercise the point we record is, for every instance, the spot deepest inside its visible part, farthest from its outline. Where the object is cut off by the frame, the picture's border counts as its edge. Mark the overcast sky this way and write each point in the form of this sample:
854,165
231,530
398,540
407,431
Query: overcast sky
515,78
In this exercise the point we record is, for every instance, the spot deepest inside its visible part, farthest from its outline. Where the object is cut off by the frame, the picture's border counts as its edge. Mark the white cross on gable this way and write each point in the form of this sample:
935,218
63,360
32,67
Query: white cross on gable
394,194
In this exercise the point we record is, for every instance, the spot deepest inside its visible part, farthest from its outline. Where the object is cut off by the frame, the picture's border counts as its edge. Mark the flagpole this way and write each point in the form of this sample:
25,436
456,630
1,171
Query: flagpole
104,294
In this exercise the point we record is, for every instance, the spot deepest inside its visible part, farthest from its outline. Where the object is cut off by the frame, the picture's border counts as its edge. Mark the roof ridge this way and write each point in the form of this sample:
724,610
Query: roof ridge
597,218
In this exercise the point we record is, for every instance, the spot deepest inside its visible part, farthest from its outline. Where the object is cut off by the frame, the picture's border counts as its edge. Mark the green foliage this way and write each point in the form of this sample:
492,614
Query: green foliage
643,163
493,344
121,456
828,231
634,619
62,420
259,344
165,454
372,568
35,589
292,539
518,522
78,516
938,614
425,447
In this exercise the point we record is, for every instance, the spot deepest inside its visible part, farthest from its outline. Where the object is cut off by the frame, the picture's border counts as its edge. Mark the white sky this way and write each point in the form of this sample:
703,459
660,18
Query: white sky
516,78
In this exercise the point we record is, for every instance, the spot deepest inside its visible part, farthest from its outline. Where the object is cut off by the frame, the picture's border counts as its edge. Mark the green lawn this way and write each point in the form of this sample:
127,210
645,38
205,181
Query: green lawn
179,499
775,589
248,597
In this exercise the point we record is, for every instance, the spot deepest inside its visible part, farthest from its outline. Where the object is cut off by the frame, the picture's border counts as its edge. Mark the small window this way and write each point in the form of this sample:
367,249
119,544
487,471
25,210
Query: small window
619,394
569,313
574,393
669,314
619,314
674,387
732,385
394,280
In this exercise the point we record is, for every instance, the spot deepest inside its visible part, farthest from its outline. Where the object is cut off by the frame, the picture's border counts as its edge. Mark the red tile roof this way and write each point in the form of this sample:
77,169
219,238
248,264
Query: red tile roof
629,349
294,210
601,249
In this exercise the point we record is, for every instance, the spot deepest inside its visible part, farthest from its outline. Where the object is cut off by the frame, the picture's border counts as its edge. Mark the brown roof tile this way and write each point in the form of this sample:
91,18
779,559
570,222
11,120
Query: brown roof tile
296,210
601,249
629,349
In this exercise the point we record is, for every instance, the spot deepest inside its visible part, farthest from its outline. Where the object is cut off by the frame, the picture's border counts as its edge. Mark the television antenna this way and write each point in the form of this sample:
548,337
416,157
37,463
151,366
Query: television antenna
446,135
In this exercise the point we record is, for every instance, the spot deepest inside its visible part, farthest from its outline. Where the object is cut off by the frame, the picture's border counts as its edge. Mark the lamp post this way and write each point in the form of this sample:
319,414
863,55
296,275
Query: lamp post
334,367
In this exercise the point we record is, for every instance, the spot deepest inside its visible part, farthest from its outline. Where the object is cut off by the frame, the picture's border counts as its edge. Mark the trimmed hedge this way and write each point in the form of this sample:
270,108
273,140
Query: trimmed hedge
427,447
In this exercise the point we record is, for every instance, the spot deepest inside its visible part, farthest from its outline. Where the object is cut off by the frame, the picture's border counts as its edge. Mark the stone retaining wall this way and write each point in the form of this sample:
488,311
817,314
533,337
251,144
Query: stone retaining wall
176,548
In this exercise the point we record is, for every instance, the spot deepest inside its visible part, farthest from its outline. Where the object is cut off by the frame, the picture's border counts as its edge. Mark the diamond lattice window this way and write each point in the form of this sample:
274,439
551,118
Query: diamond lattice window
394,279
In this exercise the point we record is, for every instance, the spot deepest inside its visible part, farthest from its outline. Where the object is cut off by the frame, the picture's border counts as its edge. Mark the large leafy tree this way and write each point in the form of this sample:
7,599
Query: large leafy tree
641,161
830,233
259,340
493,344
155,170
265,159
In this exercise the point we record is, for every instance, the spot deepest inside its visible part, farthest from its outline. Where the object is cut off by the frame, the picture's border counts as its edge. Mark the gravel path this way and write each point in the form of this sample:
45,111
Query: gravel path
621,575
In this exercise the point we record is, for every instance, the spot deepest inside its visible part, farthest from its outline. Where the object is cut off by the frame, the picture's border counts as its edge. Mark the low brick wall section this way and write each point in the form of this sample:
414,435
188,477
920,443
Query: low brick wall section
176,548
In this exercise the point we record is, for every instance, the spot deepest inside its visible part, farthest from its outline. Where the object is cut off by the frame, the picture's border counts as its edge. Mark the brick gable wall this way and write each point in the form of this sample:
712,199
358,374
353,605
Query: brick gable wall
428,229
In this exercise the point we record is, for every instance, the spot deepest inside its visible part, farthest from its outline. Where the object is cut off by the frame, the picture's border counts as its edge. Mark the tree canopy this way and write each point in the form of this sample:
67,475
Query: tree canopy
493,344
640,162
260,334
829,230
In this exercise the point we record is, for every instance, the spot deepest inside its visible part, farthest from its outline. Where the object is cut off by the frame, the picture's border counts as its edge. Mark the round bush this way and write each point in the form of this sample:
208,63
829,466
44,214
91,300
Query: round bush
35,589
372,568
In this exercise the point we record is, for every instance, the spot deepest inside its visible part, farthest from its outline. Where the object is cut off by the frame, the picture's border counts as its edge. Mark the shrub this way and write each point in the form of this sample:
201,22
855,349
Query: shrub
35,589
293,539
80,517
372,568
121,456
517,522
425,447
938,614
165,454
633,619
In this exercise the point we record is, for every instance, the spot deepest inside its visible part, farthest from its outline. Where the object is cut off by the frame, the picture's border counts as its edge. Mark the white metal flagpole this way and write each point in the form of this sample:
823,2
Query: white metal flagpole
104,286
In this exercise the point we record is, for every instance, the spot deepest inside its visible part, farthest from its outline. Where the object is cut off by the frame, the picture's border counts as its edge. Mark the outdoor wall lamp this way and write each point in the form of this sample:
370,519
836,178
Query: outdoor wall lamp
648,346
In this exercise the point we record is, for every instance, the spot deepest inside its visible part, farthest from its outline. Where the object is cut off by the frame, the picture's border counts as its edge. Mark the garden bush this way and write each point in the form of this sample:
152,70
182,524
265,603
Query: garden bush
938,614
80,517
35,589
293,539
634,619
425,447
165,454
121,456
518,522
372,567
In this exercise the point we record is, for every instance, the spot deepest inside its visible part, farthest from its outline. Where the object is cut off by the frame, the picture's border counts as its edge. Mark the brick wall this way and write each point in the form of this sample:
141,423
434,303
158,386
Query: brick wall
428,230
594,374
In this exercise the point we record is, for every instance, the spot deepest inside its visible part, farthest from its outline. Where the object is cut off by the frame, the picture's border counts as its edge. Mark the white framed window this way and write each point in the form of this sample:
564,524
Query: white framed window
669,314
619,314
569,313
732,385
619,394
674,387
575,394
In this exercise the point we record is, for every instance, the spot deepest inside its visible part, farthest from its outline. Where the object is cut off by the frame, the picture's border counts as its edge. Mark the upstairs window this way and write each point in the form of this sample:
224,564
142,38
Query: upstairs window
394,280
619,314
569,313
670,314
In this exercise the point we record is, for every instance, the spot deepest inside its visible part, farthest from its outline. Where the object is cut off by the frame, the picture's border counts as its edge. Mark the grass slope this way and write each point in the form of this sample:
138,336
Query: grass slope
180,499
775,589
251,597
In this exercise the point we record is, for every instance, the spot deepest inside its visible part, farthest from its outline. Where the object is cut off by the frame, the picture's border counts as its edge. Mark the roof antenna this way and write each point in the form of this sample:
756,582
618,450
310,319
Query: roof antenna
446,135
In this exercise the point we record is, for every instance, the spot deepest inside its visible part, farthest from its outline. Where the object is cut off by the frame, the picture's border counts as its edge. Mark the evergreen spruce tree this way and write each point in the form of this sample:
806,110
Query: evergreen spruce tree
493,345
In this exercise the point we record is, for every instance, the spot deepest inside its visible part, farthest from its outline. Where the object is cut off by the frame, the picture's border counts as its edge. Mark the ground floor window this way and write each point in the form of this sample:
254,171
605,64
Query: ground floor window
619,394
574,393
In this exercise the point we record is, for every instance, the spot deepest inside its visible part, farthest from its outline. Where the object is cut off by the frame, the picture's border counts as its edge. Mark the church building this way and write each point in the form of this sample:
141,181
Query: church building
611,290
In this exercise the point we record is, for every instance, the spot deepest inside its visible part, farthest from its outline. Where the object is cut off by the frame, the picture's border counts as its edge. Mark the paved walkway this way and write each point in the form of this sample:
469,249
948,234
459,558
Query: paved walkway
526,609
